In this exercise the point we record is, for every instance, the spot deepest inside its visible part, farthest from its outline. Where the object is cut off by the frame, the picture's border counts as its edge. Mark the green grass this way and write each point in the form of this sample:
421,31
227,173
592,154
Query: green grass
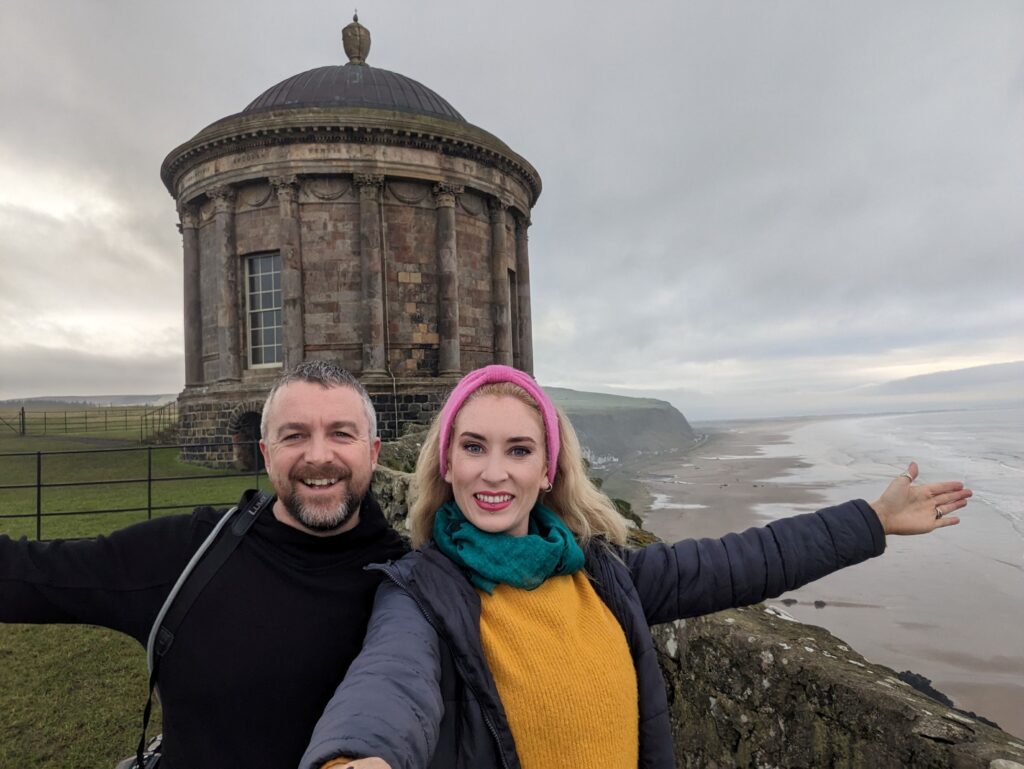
124,473
72,696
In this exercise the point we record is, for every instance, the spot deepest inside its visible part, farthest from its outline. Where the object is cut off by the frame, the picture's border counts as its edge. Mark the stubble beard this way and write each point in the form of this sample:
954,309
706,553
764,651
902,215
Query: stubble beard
320,518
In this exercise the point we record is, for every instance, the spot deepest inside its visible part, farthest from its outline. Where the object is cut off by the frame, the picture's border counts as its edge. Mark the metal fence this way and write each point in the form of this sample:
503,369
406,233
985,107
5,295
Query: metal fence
38,484
147,420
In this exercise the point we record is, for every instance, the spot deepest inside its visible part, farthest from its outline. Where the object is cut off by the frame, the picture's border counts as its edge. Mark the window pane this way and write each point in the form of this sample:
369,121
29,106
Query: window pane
264,309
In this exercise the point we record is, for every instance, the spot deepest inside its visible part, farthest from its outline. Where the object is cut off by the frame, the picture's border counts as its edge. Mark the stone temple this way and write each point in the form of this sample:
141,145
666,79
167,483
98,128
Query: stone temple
353,214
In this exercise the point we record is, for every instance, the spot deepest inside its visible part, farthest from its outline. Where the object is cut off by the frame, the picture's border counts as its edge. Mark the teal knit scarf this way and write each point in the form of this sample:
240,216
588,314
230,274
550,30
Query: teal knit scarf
548,548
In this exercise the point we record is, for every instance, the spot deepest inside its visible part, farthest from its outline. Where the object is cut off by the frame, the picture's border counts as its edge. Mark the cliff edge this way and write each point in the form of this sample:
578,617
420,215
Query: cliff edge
614,428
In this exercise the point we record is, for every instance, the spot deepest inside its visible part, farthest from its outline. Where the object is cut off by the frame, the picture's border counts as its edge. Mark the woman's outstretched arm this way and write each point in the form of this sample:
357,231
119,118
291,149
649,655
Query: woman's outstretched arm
389,706
700,576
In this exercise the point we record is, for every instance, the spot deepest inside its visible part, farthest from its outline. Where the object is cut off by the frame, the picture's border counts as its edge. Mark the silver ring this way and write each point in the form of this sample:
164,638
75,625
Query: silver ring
938,513
906,475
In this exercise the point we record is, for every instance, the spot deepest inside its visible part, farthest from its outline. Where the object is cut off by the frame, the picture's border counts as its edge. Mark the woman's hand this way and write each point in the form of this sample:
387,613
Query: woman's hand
905,508
363,763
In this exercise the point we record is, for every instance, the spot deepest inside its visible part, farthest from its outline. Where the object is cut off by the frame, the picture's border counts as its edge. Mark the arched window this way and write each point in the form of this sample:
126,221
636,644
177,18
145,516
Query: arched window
263,310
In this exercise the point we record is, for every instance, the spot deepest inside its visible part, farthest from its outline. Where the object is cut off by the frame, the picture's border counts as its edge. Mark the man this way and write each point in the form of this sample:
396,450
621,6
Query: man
263,647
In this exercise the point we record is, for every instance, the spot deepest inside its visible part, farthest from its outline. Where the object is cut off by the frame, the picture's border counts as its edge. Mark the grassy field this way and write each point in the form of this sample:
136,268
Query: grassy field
72,696
121,465
59,418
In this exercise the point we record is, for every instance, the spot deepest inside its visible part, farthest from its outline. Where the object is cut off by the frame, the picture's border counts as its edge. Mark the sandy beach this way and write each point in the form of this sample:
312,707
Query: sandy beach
967,636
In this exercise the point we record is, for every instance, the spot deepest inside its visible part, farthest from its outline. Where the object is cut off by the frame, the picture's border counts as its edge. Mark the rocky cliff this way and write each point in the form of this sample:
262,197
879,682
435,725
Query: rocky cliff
753,688
614,429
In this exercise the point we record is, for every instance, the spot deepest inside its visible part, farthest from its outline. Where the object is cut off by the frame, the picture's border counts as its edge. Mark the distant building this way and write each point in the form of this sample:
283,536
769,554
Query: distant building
347,213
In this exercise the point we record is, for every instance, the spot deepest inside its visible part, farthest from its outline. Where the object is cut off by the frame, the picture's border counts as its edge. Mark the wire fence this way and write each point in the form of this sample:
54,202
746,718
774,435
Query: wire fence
147,421
44,485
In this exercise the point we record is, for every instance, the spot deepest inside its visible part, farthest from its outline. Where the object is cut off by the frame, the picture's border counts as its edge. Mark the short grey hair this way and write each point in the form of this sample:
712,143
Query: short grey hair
327,374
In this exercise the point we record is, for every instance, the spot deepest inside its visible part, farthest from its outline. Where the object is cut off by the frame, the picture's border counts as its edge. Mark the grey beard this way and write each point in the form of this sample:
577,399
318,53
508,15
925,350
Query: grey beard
323,522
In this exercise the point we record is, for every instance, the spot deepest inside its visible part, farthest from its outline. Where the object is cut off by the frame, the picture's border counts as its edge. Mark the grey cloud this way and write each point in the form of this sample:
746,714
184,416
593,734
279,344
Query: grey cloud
33,371
783,186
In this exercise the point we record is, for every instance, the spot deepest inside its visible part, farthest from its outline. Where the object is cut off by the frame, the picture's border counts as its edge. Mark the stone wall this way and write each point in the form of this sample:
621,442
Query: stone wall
406,406
752,688
211,422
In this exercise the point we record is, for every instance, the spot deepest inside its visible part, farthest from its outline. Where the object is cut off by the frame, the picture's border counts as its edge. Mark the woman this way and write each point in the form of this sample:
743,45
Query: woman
517,634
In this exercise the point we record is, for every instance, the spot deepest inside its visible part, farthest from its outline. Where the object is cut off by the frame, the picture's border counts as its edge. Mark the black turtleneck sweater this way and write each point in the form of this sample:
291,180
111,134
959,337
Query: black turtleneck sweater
262,648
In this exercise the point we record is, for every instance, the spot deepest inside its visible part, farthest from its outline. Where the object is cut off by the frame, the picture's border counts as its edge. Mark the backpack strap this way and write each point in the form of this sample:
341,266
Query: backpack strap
198,572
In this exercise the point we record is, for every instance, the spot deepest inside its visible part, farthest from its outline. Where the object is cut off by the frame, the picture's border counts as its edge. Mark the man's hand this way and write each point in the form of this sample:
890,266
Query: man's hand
905,508
362,763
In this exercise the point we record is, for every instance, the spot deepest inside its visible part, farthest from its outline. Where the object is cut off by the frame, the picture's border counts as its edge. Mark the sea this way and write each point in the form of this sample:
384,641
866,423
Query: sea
947,605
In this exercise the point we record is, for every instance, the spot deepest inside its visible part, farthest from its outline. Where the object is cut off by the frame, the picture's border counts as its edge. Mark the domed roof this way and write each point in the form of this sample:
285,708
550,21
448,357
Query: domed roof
355,84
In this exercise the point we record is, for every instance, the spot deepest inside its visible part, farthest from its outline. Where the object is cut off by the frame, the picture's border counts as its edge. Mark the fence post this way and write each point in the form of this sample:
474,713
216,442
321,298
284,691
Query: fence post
149,483
44,422
39,495
65,422
21,414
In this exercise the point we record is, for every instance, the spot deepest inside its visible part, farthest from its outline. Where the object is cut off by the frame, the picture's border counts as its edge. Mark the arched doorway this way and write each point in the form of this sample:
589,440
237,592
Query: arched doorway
244,427
247,450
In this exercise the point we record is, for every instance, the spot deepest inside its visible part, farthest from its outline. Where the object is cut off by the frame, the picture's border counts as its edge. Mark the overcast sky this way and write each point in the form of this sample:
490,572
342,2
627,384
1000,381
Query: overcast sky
749,208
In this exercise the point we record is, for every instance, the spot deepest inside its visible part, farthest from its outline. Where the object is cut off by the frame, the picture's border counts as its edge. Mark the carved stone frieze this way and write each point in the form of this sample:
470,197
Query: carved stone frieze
256,195
326,188
471,204
410,193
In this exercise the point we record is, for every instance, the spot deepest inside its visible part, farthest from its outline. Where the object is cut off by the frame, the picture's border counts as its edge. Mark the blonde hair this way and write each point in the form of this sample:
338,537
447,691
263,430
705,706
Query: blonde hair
586,510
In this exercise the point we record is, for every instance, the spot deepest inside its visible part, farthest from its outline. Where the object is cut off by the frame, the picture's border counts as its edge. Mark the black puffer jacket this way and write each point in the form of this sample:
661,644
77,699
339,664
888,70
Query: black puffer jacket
420,693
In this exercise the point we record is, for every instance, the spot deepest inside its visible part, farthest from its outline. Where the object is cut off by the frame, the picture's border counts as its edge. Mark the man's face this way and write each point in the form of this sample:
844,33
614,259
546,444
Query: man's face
319,456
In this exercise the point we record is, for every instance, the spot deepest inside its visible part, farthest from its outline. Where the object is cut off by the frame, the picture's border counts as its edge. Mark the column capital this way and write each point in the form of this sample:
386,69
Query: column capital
522,225
369,184
188,217
444,194
286,187
223,198
497,207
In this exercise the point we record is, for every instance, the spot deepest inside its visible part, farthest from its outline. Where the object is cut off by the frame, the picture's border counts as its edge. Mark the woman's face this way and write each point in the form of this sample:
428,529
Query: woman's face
497,465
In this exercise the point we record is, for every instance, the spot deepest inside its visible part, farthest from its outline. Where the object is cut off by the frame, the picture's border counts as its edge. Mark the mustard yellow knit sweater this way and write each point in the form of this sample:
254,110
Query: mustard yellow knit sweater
564,673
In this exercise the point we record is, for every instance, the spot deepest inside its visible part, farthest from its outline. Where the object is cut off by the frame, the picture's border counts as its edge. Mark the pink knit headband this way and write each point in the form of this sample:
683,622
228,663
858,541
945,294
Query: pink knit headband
473,381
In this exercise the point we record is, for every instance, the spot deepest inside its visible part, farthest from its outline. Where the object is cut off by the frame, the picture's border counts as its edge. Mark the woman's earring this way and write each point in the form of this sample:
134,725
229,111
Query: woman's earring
547,488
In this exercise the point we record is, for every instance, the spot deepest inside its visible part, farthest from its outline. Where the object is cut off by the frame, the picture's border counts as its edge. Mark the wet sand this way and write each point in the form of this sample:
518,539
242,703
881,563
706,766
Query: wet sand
961,637
714,488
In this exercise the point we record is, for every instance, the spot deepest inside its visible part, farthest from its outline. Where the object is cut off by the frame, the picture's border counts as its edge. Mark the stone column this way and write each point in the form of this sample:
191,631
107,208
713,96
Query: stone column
525,330
188,226
370,261
450,362
227,282
501,308
289,238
